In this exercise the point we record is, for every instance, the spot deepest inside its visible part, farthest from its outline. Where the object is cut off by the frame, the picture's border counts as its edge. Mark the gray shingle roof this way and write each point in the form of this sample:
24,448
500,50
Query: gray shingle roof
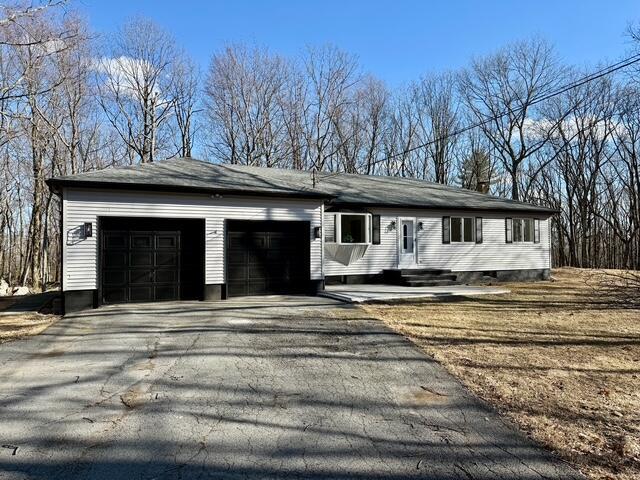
339,188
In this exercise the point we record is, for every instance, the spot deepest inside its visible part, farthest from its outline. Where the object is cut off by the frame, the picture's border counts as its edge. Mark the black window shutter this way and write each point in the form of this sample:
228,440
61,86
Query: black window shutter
508,225
536,230
375,229
478,229
446,233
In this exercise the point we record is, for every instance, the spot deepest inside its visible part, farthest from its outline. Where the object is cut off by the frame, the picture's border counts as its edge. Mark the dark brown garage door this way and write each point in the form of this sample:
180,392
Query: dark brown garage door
267,257
144,265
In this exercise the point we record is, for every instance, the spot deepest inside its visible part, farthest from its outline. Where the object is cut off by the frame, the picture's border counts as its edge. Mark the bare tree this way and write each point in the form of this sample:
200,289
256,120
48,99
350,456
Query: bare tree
401,139
437,117
185,95
292,103
332,74
502,92
33,41
243,108
135,80
360,127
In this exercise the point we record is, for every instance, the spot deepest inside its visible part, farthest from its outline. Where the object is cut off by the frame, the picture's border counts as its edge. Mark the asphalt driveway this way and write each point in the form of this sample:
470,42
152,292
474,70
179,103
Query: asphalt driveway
261,388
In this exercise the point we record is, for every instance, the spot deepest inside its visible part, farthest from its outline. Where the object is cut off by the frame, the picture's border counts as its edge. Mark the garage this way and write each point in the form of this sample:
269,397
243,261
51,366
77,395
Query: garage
151,260
267,257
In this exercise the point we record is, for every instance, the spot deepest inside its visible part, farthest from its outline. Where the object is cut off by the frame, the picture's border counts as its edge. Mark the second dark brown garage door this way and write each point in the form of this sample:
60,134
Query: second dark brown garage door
267,257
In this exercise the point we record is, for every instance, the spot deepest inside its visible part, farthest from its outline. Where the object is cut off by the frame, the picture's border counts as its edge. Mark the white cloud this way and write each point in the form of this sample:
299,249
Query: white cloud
126,75
571,126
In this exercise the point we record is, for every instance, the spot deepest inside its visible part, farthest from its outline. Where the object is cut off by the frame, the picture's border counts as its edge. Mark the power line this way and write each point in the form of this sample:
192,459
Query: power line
578,83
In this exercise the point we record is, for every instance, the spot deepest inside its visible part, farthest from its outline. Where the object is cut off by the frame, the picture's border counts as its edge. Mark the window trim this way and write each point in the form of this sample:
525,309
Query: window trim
337,233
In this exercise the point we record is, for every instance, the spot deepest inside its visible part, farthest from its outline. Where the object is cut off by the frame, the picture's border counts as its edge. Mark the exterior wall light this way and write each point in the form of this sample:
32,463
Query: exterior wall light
87,230
317,232
392,226
420,226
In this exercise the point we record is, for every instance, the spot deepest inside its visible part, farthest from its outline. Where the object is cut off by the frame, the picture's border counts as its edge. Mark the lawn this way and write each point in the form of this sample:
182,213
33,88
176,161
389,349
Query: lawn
16,326
560,358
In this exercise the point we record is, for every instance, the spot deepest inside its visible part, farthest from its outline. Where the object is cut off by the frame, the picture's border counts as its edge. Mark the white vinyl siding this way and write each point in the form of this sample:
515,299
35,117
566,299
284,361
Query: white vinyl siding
492,254
80,255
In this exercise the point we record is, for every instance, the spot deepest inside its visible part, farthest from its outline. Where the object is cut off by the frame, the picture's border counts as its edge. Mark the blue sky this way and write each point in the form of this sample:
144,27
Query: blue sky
394,40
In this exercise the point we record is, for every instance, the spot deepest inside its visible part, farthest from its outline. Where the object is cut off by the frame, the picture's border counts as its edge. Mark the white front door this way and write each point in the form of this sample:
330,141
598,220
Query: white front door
407,243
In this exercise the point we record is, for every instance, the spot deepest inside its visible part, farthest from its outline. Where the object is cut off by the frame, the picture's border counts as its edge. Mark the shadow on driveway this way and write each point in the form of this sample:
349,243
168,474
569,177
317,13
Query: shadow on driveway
275,387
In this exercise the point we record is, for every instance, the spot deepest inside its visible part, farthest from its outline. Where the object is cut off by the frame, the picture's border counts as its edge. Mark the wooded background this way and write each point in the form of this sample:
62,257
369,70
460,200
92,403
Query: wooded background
518,123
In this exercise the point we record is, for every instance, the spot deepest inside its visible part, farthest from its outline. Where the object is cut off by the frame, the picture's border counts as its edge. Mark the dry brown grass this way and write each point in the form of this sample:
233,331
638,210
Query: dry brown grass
21,325
560,358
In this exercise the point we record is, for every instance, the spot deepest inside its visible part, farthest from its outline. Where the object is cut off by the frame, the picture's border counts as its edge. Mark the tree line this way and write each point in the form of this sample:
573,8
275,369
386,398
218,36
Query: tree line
518,123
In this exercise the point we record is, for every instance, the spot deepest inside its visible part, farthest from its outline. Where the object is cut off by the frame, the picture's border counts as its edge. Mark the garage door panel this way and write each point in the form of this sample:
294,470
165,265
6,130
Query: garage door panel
142,240
141,259
141,294
139,276
166,292
116,240
257,287
115,259
257,271
167,259
114,295
237,240
166,276
115,277
235,288
237,271
167,241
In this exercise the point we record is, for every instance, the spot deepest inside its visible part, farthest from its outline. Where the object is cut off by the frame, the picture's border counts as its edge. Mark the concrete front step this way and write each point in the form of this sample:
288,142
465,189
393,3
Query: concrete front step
431,283
414,271
421,277
430,276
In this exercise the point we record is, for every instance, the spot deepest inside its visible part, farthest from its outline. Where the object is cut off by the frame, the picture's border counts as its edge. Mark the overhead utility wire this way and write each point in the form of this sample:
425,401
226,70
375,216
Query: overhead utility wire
589,78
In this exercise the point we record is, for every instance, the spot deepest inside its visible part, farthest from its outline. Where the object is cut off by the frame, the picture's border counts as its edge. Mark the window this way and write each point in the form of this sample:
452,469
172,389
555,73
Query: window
522,230
517,230
468,229
456,229
527,228
407,236
462,229
353,229
348,228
